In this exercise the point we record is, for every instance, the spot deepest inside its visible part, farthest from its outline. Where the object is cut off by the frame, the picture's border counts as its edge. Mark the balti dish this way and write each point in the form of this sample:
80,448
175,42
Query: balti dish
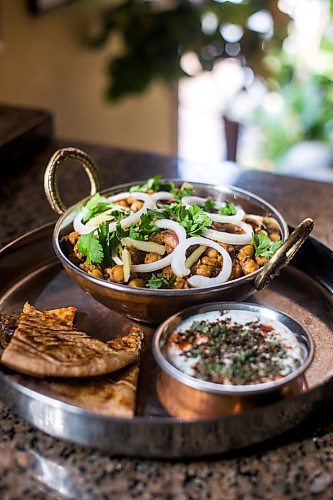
159,236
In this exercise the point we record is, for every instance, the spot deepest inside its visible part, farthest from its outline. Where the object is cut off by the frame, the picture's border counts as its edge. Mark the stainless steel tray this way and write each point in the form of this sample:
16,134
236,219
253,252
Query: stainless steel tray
29,271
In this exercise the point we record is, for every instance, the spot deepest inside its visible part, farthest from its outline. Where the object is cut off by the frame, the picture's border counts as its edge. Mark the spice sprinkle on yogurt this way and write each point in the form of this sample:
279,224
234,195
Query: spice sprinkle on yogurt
234,348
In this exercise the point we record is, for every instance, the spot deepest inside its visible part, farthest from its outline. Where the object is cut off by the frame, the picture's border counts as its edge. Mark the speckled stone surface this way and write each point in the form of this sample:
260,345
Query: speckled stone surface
34,465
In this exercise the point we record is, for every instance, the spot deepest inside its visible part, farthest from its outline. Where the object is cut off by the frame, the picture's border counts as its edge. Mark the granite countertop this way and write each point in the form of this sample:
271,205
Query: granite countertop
298,464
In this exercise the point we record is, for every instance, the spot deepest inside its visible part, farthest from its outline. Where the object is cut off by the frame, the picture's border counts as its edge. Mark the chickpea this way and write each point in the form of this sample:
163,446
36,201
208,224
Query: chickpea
211,262
130,200
203,270
245,253
73,237
180,283
92,270
122,203
262,231
97,273
137,283
261,260
152,257
212,253
115,273
236,271
275,235
136,205
249,266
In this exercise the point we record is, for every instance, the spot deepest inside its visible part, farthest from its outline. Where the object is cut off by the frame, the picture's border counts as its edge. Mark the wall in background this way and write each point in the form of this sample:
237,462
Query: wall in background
44,64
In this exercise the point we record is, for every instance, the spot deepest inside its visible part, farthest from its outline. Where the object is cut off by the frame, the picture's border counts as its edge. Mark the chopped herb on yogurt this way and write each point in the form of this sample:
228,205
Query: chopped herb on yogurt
226,351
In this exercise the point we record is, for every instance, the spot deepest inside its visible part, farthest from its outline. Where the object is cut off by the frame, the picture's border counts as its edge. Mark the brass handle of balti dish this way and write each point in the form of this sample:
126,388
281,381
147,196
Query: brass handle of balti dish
284,254
50,176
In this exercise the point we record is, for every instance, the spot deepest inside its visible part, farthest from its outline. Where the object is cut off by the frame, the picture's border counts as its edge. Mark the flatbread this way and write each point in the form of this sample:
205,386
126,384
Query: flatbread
43,346
113,394
9,322
62,316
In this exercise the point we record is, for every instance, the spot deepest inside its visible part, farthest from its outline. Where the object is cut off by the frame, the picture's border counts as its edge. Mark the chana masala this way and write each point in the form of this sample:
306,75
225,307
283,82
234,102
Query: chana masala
157,235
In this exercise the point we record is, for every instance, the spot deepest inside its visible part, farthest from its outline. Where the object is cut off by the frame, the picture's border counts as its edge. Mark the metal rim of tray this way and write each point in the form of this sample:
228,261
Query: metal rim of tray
168,437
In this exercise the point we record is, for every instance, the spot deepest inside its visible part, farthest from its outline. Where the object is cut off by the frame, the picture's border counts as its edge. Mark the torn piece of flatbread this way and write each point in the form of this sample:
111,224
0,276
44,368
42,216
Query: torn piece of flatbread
9,322
63,315
113,394
44,346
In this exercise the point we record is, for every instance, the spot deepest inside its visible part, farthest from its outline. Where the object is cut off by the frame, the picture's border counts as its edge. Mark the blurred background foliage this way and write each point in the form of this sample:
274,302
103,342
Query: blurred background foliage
156,34
285,45
299,86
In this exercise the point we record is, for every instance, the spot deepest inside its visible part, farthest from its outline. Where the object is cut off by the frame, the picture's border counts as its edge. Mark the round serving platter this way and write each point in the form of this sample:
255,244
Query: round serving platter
30,272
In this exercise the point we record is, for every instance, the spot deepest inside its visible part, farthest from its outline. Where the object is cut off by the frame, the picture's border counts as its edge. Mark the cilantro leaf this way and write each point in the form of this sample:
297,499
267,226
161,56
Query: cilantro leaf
193,219
152,183
99,204
144,229
209,205
116,236
167,186
160,213
264,246
96,205
90,247
159,281
104,238
185,190
228,209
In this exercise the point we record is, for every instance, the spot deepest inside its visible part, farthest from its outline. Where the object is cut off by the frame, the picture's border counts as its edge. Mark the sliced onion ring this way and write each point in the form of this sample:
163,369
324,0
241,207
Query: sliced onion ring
126,222
233,219
166,261
229,238
162,195
134,217
179,258
78,225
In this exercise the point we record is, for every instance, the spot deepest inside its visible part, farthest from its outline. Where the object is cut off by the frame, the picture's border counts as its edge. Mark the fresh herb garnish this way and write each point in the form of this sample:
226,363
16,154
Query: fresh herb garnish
228,209
90,247
96,205
159,213
264,246
155,184
183,191
159,281
116,236
104,238
193,219
209,205
99,204
152,183
144,229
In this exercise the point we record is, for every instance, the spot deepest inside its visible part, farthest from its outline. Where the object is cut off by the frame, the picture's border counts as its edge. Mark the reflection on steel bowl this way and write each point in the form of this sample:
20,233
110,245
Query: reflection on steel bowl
150,254
228,357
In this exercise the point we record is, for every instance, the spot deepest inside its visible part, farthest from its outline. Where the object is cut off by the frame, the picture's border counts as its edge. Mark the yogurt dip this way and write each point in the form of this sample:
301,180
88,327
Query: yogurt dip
234,347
